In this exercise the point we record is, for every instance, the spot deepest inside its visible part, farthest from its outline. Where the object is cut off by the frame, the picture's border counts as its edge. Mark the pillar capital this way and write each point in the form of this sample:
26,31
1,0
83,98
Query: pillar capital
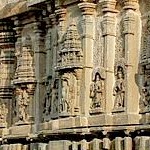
61,12
108,5
87,8
130,4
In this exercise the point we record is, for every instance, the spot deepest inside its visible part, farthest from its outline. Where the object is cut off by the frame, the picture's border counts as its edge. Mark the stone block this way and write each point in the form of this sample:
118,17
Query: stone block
102,119
66,123
124,119
20,130
59,145
81,121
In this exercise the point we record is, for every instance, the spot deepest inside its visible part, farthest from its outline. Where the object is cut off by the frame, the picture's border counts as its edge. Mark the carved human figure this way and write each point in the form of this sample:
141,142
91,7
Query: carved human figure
97,91
3,113
55,96
119,89
64,105
23,102
48,98
145,95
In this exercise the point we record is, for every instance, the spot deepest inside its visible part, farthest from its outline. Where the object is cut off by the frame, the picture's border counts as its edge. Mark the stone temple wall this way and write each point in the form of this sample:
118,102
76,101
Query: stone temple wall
75,75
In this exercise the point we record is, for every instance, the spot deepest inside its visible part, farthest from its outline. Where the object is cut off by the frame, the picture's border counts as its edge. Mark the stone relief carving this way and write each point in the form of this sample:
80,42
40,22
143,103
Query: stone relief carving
146,40
70,54
99,43
48,99
23,99
25,62
145,99
120,49
145,69
55,96
119,88
64,101
97,92
3,114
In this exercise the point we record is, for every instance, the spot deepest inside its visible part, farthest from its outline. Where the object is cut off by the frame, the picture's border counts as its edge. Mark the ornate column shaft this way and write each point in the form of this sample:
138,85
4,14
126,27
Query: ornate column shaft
130,24
88,25
109,34
48,47
40,63
7,65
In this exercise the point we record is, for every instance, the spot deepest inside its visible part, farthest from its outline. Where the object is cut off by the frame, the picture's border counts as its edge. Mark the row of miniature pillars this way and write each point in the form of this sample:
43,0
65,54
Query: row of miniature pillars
119,143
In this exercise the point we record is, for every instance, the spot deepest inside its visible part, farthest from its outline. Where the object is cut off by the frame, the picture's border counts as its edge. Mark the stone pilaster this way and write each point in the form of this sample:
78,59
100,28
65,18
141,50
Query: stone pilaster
40,70
7,65
131,37
88,25
131,55
109,34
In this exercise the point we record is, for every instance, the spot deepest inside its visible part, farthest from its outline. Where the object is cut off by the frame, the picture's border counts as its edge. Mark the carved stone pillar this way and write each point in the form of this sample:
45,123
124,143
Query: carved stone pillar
130,95
40,69
88,25
109,33
130,23
55,80
24,80
7,65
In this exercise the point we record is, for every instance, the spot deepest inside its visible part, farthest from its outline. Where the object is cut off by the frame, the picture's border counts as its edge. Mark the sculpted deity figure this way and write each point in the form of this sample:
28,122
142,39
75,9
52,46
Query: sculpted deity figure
64,105
48,97
23,102
3,113
145,96
119,89
97,91
55,96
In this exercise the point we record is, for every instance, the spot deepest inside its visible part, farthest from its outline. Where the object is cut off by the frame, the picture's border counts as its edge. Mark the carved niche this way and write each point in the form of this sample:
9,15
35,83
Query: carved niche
119,87
145,68
65,95
70,54
24,83
68,94
24,98
97,91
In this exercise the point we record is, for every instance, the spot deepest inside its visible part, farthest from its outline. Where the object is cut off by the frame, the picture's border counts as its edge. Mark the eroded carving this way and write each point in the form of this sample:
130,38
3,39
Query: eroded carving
64,105
3,114
70,54
22,98
97,92
119,88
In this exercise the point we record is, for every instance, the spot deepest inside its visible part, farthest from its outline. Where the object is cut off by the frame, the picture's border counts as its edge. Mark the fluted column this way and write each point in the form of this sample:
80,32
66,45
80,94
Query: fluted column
88,25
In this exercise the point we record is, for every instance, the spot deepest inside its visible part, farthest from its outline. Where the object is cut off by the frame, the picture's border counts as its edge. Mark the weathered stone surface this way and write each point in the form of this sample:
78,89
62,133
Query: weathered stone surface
74,74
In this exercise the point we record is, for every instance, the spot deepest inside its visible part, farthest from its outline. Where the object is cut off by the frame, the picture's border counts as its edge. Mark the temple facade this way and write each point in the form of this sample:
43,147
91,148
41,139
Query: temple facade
74,74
